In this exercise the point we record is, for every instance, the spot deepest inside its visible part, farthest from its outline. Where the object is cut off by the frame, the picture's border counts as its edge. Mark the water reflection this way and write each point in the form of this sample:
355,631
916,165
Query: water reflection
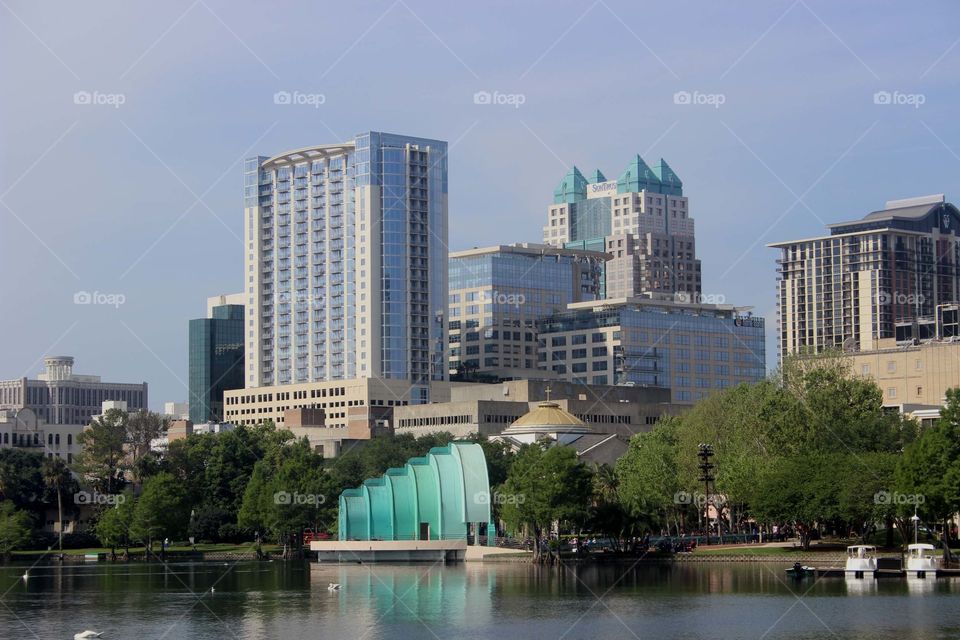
276,600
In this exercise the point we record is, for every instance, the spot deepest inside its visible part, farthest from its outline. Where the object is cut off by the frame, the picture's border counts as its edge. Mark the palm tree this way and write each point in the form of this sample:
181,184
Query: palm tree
605,484
56,476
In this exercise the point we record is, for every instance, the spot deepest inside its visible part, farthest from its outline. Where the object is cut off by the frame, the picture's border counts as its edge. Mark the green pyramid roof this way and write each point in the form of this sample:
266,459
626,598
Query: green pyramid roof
672,185
573,187
597,176
638,177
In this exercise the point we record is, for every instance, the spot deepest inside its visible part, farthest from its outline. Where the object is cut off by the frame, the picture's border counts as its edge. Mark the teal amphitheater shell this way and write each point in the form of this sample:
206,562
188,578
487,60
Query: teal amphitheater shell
433,497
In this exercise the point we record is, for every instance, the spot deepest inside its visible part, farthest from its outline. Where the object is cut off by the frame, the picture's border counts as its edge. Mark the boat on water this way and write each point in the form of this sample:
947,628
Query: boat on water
920,560
800,571
861,560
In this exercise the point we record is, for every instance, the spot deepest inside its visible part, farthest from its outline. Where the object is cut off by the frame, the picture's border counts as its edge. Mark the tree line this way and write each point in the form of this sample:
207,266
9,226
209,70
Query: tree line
811,448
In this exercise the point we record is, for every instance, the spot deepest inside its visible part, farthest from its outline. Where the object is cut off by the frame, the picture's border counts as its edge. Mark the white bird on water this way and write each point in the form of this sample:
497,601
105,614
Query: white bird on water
334,586
87,634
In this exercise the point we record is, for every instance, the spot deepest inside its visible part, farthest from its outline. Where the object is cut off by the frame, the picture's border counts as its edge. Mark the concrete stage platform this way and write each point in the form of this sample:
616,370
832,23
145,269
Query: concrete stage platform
389,550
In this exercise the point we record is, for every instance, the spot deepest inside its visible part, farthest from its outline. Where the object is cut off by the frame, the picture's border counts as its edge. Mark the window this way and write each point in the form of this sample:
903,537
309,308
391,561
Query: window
865,369
892,392
891,367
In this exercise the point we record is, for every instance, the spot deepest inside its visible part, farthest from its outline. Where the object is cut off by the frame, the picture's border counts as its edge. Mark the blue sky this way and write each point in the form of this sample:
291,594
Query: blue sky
138,191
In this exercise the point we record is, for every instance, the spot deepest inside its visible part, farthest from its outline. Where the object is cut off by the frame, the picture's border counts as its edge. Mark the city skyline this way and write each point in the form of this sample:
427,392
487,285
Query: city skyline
780,120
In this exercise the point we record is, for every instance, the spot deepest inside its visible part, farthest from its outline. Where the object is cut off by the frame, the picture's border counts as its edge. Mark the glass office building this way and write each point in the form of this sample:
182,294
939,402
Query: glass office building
497,295
693,349
346,262
216,353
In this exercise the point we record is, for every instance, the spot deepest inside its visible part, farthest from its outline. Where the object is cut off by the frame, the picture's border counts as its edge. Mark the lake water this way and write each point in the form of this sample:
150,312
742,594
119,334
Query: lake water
504,601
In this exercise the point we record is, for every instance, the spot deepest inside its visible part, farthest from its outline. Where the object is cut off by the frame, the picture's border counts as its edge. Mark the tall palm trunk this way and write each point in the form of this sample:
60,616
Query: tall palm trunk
60,516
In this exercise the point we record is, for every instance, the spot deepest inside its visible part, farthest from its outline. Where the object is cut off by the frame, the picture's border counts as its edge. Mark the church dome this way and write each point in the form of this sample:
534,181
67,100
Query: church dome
548,417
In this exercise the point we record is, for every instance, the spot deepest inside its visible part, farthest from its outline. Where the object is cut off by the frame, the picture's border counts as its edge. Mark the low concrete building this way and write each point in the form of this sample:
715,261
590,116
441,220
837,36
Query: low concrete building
60,396
488,409
176,410
330,442
911,374
25,429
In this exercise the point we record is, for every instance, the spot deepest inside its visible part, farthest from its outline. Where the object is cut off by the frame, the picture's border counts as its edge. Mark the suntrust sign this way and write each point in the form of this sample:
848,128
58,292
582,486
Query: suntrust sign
601,189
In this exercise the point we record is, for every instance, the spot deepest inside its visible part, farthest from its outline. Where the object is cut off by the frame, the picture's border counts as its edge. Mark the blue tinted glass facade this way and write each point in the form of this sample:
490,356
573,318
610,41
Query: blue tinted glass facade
216,355
691,352
411,174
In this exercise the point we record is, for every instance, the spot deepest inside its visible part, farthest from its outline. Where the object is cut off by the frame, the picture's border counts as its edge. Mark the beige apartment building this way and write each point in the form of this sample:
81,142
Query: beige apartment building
889,275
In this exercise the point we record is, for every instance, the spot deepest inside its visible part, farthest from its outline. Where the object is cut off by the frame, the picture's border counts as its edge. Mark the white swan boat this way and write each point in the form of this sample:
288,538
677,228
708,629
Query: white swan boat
921,561
861,561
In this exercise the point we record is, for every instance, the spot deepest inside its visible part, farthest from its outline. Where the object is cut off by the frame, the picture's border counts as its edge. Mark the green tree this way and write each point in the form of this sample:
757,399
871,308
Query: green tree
161,511
142,427
930,466
20,478
102,457
113,526
14,527
288,492
545,484
58,479
648,478
801,490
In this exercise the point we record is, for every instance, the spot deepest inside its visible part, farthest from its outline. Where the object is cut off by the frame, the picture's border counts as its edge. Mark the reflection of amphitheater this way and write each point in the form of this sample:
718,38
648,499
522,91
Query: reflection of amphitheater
421,511
373,598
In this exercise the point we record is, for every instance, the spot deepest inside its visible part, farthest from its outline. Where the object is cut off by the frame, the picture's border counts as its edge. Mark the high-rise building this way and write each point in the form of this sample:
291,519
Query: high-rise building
891,276
641,219
694,349
346,263
59,396
216,352
497,295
